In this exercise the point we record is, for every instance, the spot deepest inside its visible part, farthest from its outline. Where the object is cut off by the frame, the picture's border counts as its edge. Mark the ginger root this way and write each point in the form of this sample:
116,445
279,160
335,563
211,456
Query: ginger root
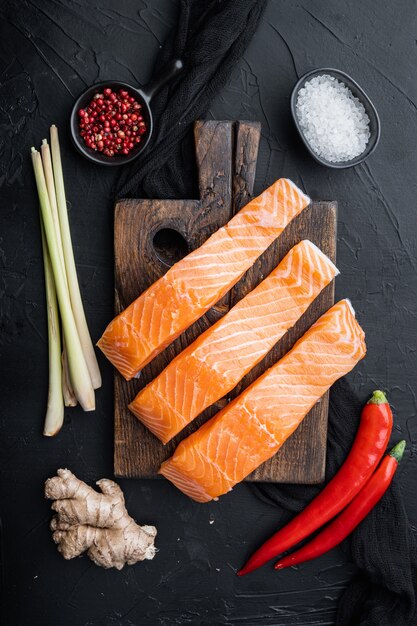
96,522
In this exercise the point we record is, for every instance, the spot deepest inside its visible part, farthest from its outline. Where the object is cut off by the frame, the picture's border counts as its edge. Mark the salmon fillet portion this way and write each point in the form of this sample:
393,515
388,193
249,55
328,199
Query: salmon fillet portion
253,427
219,358
194,284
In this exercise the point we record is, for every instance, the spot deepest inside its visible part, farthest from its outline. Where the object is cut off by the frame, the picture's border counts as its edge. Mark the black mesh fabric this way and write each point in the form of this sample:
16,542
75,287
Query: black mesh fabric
210,38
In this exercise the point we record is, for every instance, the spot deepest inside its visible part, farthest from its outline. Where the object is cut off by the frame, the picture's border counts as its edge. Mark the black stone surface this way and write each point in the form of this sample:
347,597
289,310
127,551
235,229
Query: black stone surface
50,50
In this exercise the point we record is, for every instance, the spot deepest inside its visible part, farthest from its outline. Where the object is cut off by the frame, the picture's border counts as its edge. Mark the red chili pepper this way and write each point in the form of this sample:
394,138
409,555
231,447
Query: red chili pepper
370,444
354,513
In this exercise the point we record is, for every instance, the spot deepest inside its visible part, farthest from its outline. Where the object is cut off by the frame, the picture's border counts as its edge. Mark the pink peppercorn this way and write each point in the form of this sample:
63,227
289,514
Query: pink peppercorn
111,123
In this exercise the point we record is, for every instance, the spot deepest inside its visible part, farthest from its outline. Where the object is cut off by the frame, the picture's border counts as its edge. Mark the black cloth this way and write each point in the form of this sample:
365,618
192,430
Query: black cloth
383,546
210,38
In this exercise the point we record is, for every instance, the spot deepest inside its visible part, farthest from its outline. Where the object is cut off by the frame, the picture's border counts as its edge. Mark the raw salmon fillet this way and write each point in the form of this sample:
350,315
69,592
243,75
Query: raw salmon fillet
219,358
253,427
194,284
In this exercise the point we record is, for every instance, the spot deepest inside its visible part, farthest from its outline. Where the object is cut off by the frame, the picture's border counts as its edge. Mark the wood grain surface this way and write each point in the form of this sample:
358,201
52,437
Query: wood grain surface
150,235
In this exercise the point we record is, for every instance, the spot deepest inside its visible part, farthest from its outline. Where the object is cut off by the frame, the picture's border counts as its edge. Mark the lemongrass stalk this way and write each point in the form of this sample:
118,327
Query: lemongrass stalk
74,289
50,185
79,373
55,408
67,390
70,399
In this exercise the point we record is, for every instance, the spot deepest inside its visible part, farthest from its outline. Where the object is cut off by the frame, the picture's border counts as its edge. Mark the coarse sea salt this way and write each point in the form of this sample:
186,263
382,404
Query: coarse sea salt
332,119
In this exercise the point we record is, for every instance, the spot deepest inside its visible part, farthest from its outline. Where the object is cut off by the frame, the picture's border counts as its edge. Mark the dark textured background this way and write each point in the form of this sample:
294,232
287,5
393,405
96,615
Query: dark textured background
49,51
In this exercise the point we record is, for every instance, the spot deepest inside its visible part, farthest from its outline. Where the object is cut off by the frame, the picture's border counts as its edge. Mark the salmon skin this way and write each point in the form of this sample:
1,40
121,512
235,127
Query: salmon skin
194,284
219,358
253,427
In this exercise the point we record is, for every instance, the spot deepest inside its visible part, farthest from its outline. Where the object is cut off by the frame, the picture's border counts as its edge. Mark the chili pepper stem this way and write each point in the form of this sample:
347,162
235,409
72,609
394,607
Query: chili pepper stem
378,397
398,450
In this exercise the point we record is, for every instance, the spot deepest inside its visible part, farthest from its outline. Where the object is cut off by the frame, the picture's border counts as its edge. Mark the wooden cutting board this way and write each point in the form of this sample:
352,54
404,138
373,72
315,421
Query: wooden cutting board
150,235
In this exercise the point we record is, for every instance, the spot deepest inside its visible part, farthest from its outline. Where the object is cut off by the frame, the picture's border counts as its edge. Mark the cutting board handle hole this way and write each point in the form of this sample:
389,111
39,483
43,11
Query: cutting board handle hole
169,245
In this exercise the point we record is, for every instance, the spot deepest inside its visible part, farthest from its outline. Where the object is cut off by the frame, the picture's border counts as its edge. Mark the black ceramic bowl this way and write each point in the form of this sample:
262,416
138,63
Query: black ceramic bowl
142,95
358,92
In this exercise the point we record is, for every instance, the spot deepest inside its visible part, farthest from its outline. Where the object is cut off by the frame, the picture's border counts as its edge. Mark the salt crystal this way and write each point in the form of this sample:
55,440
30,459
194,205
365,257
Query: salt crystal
333,121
